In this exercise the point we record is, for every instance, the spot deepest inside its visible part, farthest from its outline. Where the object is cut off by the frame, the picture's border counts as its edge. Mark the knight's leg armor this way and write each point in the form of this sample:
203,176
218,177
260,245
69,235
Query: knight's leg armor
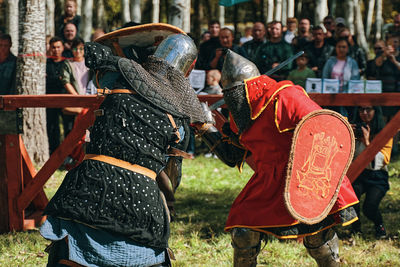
246,245
324,248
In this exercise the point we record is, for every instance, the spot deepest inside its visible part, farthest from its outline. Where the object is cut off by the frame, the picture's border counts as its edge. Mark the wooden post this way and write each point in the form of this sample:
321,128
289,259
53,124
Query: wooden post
4,226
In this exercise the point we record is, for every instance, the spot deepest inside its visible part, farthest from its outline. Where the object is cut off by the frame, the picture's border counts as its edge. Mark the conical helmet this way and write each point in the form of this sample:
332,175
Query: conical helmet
236,69
179,51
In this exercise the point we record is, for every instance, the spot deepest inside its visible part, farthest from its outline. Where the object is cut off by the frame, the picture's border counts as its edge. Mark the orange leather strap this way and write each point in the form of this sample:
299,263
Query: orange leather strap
171,119
107,91
123,164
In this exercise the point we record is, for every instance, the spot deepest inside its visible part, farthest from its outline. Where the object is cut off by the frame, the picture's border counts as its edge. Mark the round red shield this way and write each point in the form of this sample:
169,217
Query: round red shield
322,150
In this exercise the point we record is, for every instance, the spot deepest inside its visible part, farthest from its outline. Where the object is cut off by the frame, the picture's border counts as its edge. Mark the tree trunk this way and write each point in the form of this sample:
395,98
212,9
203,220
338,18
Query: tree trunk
349,15
155,17
126,15
176,13
136,14
284,12
222,16
379,19
186,16
50,27
332,8
100,15
278,10
299,7
361,40
87,19
290,8
369,17
12,23
78,7
31,75
321,11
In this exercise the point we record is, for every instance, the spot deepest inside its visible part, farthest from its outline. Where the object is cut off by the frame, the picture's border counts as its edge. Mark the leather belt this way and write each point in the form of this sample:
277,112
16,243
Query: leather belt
123,164
106,91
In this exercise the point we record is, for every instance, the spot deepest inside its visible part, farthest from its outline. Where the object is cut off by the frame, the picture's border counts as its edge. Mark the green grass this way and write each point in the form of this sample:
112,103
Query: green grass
197,238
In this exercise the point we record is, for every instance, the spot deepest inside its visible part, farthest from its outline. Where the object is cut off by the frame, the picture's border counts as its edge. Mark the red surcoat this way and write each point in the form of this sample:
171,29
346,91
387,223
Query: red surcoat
276,109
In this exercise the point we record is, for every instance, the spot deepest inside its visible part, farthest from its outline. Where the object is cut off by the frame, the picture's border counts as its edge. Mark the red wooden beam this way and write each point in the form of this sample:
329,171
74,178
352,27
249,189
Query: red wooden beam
384,99
14,181
11,102
374,147
4,223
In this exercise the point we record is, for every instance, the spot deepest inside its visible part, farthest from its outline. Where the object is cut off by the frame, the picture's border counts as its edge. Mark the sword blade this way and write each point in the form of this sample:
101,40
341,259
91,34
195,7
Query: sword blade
271,71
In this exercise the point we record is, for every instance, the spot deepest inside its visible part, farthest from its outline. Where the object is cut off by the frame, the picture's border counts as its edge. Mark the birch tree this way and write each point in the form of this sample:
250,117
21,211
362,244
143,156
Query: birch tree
290,8
284,12
31,75
125,10
269,10
50,27
221,16
155,16
87,19
186,16
176,13
361,40
321,11
100,15
79,7
136,14
378,19
12,23
368,19
278,10
349,15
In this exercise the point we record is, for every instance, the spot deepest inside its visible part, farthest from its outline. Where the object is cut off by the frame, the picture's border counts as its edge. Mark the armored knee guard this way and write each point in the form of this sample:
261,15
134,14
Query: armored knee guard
246,245
324,248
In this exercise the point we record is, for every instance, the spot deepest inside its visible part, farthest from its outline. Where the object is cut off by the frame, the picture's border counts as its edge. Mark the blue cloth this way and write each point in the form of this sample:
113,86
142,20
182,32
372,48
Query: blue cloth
92,247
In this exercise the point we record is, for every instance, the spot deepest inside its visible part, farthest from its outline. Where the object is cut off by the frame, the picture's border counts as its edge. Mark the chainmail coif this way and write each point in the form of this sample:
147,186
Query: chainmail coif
164,86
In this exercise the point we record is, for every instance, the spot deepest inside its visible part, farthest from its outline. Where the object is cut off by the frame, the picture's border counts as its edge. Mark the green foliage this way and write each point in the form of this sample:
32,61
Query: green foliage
204,197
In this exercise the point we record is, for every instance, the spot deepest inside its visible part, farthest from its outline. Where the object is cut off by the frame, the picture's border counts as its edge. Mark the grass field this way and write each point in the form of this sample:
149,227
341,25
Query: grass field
197,238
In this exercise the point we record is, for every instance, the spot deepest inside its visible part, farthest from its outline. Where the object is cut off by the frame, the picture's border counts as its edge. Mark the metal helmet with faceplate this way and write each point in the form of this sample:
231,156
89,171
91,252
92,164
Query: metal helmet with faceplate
236,69
179,51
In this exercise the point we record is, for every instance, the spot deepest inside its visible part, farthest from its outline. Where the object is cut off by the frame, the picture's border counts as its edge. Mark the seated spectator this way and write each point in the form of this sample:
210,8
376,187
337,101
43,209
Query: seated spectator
270,54
54,85
226,38
70,33
251,47
291,31
212,79
247,36
374,180
341,66
8,64
355,52
207,49
70,16
318,51
299,76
